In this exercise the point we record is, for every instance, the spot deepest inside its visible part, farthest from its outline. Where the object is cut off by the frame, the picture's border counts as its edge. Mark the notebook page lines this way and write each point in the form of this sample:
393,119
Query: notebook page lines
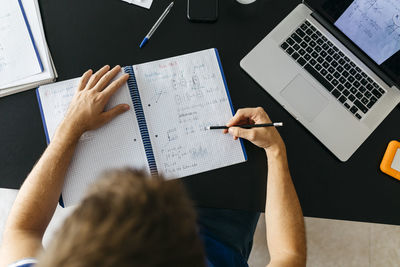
117,144
181,96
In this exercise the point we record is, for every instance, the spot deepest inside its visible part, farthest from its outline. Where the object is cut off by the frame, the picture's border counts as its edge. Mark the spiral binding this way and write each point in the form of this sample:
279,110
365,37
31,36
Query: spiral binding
137,104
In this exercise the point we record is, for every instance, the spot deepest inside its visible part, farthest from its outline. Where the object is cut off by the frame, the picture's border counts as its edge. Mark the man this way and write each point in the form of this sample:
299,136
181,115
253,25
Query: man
128,219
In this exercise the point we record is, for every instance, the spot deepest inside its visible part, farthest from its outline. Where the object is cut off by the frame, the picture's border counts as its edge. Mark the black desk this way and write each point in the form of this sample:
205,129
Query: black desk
86,34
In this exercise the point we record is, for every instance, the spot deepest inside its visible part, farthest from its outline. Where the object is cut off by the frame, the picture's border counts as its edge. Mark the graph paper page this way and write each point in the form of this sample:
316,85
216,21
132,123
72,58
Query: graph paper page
117,144
181,96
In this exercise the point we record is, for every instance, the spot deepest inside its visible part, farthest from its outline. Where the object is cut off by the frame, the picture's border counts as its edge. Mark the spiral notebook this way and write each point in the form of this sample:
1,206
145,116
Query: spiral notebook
172,102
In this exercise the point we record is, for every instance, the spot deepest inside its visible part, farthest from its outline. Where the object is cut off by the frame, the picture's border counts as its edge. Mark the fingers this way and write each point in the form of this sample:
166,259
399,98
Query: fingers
114,86
241,116
96,77
249,115
84,79
242,133
103,82
114,112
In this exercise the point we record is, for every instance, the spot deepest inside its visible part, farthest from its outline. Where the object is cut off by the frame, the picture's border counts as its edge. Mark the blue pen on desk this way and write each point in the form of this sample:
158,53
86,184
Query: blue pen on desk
154,28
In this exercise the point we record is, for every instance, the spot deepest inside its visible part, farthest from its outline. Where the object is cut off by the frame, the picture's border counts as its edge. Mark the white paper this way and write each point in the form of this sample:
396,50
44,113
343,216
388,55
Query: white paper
34,19
117,144
181,96
32,11
18,58
142,3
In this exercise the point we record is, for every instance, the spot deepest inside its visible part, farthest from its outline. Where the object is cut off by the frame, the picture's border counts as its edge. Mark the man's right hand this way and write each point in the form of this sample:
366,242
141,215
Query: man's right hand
266,137
284,219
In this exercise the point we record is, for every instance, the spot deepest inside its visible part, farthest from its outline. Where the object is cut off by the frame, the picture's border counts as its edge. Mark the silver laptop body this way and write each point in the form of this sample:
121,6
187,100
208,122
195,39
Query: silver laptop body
305,98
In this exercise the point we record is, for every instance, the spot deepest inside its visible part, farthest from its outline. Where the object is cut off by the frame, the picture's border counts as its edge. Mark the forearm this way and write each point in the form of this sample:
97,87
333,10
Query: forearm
37,199
283,214
38,196
284,218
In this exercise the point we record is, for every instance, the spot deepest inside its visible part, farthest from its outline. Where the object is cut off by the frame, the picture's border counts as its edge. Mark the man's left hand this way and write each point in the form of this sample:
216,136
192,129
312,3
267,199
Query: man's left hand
86,110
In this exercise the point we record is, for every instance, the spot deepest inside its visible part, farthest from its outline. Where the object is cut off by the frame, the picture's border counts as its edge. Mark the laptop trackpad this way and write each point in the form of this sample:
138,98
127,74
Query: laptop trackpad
304,98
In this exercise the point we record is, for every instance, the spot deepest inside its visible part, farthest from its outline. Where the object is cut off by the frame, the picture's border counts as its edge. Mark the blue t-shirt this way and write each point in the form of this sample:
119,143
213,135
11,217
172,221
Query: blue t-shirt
220,255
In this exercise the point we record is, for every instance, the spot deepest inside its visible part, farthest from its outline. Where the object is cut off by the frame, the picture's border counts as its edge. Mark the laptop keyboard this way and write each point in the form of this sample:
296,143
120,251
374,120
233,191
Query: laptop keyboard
333,69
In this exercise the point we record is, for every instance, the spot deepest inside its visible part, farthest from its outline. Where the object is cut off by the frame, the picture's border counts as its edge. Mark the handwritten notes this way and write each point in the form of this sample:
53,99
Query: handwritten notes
117,144
374,25
18,58
55,99
48,74
181,96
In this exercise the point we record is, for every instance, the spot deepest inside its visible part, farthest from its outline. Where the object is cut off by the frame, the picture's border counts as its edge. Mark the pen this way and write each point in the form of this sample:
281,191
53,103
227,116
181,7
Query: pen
158,22
247,126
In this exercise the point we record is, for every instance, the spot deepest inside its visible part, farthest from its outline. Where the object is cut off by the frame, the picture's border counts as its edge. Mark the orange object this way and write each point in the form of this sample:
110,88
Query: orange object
391,160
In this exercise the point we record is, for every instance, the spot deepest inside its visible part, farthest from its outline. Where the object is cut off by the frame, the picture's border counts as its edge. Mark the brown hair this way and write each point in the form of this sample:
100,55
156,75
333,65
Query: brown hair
129,219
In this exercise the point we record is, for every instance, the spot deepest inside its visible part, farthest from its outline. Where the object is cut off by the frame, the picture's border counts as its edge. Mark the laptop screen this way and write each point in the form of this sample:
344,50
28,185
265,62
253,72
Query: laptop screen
373,25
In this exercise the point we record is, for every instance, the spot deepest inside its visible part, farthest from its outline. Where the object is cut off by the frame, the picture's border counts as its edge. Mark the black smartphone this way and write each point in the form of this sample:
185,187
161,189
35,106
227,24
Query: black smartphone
202,10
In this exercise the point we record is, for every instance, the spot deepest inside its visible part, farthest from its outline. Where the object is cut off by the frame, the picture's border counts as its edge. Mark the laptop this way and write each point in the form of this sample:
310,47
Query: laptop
334,65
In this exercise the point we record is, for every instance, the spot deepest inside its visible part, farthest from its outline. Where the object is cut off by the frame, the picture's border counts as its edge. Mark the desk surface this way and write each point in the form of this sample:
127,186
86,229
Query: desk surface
82,36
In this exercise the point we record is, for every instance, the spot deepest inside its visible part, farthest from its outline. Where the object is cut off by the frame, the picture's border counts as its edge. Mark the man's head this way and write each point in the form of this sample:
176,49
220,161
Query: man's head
129,219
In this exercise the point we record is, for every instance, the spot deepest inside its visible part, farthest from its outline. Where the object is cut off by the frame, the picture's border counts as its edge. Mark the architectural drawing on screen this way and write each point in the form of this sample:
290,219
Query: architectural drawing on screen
374,25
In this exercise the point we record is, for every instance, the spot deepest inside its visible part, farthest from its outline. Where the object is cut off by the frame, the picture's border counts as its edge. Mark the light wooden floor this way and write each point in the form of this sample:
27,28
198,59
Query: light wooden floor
330,242
339,243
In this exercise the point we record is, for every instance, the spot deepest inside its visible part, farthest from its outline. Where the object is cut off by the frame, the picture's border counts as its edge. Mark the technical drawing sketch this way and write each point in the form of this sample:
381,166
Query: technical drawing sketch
374,25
